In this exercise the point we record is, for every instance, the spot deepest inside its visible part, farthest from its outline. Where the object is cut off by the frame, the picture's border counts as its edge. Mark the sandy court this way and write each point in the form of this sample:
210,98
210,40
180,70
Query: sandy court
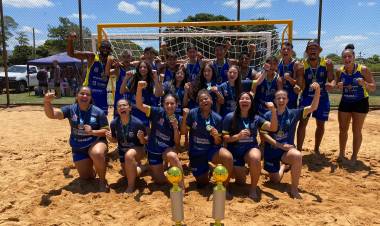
39,184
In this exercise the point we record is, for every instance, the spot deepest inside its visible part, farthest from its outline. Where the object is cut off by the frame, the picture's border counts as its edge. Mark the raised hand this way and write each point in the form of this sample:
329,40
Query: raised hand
315,86
142,84
72,36
270,105
49,97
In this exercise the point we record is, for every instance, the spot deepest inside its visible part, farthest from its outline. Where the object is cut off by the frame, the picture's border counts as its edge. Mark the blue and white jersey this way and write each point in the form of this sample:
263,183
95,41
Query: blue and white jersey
162,132
352,91
200,140
97,80
287,123
148,98
318,75
230,98
192,71
94,117
168,75
221,71
126,135
265,93
252,123
288,68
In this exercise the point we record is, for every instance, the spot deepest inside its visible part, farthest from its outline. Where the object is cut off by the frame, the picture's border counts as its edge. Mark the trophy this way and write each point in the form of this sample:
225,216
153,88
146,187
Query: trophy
220,174
174,175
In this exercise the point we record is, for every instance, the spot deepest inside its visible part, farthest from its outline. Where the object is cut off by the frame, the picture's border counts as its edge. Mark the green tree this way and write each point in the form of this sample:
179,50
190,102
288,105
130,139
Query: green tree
22,38
57,35
21,54
336,59
10,26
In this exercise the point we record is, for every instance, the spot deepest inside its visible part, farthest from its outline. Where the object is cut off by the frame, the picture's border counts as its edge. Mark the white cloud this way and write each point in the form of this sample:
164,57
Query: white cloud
369,4
349,38
28,29
306,2
315,32
167,10
247,4
373,33
40,42
29,3
128,8
84,16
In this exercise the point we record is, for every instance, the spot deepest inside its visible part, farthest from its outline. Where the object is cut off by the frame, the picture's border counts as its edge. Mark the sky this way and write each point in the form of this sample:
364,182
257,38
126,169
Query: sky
343,21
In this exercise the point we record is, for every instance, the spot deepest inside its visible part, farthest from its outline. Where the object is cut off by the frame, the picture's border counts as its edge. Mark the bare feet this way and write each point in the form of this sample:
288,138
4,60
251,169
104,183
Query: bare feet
103,186
130,189
253,194
295,194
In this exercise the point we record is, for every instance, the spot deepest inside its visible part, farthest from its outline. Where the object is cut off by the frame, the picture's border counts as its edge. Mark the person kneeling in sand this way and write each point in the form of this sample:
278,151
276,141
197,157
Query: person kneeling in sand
240,135
88,130
129,133
279,145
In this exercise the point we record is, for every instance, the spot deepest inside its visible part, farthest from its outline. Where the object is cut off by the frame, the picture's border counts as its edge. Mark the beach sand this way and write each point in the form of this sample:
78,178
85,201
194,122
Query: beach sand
40,186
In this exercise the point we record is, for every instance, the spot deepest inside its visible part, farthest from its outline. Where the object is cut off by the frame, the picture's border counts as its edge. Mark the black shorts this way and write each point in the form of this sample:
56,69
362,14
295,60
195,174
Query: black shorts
360,106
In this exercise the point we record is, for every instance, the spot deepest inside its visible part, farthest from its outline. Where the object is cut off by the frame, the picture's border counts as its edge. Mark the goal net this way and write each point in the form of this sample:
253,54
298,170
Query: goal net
266,35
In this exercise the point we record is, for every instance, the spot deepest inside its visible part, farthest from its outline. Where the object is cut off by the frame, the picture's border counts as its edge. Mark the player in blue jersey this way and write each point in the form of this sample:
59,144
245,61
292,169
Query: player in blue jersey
170,67
239,133
120,69
288,69
271,82
87,138
233,87
177,87
244,62
165,135
316,69
150,95
129,133
193,64
205,128
207,80
355,81
279,145
96,77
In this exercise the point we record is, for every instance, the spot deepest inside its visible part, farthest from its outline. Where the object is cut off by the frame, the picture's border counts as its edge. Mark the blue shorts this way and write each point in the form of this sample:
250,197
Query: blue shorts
100,100
323,110
122,153
199,163
155,157
272,158
239,155
82,153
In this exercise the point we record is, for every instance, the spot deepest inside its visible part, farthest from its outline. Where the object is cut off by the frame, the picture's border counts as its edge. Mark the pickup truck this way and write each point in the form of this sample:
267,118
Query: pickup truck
18,78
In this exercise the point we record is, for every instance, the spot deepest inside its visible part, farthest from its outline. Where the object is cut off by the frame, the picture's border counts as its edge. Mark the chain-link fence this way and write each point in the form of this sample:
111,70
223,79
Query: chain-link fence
37,29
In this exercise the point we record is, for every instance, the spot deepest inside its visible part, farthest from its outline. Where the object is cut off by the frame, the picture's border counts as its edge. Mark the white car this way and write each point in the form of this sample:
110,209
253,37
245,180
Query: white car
18,78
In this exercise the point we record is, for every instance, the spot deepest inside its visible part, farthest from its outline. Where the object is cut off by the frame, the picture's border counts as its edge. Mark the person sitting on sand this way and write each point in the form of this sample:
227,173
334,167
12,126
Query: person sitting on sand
205,129
164,136
88,125
279,145
129,133
240,132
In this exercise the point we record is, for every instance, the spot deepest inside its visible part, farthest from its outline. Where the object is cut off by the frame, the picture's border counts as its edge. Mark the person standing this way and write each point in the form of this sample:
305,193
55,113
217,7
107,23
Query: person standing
320,70
55,74
96,77
355,81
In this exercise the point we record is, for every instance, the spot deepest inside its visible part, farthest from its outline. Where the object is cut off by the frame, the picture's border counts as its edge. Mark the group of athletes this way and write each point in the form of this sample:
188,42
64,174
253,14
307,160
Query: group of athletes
219,105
